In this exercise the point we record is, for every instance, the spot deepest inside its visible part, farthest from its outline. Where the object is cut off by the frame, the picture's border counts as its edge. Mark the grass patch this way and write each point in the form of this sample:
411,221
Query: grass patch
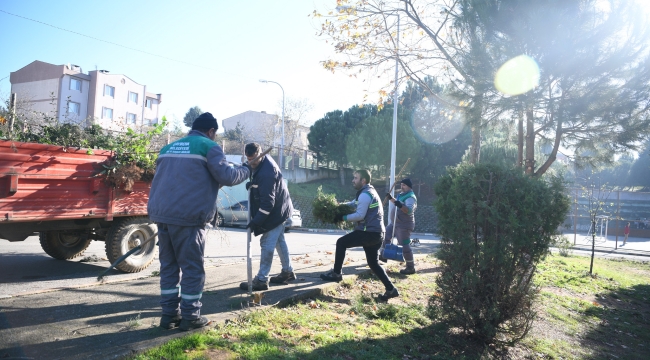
579,316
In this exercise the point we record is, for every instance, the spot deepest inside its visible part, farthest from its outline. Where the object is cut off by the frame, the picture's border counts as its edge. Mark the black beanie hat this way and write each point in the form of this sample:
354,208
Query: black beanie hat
205,121
407,182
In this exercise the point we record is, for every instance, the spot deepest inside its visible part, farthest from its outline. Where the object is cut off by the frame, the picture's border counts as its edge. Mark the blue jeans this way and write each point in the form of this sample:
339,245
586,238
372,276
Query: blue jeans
270,241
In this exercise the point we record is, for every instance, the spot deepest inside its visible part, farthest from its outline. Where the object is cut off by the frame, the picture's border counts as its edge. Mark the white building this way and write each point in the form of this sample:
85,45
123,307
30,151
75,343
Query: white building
266,129
113,101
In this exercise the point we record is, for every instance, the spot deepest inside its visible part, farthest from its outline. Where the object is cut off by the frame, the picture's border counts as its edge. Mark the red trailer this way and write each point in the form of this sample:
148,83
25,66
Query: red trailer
58,192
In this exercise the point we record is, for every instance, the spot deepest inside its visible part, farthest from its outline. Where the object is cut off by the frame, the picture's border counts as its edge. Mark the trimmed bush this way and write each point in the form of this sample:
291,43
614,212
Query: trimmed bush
496,224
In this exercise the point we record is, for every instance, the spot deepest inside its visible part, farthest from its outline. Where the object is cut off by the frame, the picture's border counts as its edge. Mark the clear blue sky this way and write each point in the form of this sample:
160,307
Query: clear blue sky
233,44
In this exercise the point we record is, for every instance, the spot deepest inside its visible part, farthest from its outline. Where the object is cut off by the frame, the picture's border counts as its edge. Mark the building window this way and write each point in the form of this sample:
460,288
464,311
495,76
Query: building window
75,84
107,113
109,91
147,122
133,97
130,118
149,103
74,108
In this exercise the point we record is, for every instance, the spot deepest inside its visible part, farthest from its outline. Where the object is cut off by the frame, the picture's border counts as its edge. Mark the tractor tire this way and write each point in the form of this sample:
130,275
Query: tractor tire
63,245
124,235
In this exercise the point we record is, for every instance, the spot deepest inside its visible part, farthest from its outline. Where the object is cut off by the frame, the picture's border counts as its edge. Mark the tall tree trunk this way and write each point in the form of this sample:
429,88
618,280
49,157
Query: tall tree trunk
553,155
520,138
530,142
475,118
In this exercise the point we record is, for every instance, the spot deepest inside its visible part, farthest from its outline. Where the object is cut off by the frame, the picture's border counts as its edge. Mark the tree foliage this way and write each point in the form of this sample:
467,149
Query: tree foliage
328,136
191,115
370,144
592,88
496,224
640,169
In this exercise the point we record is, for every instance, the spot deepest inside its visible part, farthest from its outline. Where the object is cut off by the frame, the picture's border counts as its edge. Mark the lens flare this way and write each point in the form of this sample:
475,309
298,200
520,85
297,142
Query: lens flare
517,76
433,122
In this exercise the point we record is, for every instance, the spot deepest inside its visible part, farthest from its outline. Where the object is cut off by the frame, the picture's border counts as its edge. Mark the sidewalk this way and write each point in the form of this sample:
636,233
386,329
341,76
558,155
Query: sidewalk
115,319
634,246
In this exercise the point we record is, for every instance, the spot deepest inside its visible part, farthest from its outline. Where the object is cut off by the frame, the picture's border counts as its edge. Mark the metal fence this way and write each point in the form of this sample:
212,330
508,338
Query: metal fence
612,210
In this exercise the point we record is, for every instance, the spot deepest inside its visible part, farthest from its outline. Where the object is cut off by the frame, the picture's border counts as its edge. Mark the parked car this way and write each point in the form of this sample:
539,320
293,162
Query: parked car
232,208
235,215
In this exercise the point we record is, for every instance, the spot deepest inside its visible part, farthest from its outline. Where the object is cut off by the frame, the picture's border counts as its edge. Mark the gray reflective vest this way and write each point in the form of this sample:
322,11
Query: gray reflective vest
374,220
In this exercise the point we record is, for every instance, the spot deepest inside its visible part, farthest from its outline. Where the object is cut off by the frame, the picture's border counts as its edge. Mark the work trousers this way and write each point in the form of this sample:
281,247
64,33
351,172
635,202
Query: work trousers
182,275
403,237
270,241
371,242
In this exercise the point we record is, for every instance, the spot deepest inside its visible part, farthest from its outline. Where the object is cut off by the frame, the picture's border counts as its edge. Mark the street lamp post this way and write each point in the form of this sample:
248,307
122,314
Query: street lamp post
393,149
282,140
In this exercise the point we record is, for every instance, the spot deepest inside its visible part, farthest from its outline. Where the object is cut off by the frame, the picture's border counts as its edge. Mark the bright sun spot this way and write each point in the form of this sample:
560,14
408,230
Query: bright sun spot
517,76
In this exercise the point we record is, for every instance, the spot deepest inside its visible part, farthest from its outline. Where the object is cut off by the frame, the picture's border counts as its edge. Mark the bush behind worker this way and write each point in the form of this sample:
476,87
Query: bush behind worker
182,200
270,207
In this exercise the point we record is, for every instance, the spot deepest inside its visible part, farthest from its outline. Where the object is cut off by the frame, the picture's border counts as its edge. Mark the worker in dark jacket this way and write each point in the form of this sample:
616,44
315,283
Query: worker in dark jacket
182,200
368,233
270,207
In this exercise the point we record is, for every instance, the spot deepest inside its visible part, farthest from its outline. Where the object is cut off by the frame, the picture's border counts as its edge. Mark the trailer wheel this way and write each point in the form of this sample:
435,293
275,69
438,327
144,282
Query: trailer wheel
63,245
124,235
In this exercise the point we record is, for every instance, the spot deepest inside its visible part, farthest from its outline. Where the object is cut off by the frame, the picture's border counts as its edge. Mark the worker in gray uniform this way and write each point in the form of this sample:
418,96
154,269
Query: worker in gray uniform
182,200
405,206
368,233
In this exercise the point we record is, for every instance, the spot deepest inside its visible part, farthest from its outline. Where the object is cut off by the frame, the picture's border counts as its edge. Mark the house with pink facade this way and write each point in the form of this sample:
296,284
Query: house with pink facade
113,101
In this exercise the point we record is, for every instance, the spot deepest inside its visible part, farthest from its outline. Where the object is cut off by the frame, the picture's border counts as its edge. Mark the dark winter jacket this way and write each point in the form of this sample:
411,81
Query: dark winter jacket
270,201
189,173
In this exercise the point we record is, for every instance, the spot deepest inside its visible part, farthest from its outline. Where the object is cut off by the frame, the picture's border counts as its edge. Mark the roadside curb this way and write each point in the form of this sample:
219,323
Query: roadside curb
335,231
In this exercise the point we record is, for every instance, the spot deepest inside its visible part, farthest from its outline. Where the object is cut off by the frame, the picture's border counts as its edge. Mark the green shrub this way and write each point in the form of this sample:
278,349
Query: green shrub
563,245
496,224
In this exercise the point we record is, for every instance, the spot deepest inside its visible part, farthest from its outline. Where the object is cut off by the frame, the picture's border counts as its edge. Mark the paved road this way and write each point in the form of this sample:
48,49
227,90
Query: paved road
25,268
89,320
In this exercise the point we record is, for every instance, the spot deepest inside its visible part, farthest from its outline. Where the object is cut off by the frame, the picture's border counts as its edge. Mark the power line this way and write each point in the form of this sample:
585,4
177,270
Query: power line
107,42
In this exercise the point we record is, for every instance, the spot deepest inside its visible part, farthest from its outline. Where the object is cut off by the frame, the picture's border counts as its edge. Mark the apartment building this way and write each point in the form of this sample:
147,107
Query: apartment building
267,129
114,101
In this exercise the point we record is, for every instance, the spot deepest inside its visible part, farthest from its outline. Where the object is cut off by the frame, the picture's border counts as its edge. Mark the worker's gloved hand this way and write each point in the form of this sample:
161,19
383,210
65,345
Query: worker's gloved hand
338,218
389,196
255,227
398,204
248,185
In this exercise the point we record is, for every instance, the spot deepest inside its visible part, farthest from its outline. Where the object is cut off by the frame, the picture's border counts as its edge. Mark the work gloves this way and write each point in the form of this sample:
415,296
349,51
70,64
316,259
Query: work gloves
248,185
338,218
398,203
255,227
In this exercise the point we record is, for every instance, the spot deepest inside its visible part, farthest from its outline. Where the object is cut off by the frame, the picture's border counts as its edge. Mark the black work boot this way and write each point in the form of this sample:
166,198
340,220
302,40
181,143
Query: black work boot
389,294
283,277
257,285
170,322
407,271
194,324
331,276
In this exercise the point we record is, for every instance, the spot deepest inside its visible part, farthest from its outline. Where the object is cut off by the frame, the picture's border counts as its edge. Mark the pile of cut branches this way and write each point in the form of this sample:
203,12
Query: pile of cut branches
326,209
